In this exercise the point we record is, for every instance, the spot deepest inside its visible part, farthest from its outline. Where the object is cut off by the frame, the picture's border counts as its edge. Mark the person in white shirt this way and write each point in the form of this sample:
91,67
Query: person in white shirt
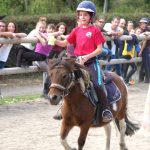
114,31
5,48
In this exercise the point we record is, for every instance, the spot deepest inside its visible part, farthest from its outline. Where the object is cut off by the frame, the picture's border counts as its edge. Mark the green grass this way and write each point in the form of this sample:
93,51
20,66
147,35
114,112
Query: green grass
16,99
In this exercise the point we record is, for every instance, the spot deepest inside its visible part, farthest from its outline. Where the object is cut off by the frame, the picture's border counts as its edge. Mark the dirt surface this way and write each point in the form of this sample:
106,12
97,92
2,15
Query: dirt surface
30,126
18,85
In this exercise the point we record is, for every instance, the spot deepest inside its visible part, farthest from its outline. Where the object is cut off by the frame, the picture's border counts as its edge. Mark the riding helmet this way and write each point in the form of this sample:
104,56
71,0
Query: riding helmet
87,6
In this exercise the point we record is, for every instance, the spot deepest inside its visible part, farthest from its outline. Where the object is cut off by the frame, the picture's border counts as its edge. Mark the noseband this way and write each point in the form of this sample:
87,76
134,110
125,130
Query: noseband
66,90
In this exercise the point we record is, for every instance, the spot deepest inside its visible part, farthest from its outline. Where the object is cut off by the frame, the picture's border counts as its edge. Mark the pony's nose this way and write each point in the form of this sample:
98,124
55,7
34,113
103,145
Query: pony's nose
55,99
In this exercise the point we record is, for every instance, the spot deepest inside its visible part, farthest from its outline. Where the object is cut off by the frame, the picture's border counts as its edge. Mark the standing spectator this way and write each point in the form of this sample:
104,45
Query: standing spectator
43,19
129,51
100,22
123,26
114,32
145,52
122,23
130,26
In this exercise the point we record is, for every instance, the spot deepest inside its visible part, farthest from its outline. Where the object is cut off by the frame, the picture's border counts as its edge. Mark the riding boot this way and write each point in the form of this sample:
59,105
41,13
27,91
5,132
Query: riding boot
45,90
98,113
103,105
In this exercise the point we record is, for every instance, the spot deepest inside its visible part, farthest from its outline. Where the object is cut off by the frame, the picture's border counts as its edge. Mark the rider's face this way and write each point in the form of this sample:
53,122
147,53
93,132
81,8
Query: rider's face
84,18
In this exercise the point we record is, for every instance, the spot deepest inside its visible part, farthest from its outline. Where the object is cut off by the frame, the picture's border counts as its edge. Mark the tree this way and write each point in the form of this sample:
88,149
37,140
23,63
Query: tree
105,7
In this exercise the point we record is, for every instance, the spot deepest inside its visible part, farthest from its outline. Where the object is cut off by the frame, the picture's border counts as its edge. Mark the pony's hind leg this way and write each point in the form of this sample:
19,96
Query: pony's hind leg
122,126
63,136
107,128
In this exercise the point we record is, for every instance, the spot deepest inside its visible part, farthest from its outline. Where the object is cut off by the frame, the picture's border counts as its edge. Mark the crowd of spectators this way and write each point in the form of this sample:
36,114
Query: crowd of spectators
28,53
129,48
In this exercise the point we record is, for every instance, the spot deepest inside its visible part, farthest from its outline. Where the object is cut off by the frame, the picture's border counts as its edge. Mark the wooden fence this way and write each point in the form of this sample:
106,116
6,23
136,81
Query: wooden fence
18,70
35,40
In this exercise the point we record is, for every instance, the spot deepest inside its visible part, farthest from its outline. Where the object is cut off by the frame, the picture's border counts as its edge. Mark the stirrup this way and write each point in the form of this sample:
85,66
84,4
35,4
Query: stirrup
107,115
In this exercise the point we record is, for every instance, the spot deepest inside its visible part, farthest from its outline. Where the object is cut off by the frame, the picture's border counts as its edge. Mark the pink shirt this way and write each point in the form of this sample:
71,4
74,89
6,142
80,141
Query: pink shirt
43,49
86,40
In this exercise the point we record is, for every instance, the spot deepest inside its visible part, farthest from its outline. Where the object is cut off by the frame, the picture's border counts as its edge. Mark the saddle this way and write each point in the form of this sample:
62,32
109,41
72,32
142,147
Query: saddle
111,90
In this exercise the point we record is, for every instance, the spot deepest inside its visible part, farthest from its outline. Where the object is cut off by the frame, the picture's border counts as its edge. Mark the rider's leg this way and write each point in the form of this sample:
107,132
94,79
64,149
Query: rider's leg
96,75
103,104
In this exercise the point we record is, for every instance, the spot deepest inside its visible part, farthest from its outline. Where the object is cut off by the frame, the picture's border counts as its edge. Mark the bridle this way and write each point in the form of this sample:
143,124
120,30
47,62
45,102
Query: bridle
66,89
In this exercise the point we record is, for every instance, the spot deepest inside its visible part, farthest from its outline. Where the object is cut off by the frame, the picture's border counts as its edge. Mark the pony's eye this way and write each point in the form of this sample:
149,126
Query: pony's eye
65,76
51,74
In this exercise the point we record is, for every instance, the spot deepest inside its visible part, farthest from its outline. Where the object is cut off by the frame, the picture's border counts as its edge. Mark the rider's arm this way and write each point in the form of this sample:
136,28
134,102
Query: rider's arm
85,58
61,43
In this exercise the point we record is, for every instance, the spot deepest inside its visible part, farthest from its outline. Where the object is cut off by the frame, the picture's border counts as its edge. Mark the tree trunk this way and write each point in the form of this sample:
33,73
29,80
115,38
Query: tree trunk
105,7
26,5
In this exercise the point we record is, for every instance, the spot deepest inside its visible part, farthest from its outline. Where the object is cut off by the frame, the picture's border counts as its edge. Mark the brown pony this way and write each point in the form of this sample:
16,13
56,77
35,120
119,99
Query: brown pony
77,110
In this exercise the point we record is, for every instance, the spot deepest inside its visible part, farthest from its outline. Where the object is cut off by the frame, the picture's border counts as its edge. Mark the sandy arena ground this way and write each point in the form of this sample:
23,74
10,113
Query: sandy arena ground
30,126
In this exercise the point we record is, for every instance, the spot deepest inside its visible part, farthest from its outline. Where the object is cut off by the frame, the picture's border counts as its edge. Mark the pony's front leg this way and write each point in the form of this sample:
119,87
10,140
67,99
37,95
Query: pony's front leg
63,135
122,126
107,128
82,137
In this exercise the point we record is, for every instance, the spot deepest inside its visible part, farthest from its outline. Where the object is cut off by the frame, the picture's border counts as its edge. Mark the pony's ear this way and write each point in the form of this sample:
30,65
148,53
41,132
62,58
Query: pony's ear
70,61
51,62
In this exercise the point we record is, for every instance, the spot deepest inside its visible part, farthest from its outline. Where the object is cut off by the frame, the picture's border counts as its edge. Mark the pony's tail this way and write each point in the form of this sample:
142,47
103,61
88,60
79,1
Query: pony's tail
131,127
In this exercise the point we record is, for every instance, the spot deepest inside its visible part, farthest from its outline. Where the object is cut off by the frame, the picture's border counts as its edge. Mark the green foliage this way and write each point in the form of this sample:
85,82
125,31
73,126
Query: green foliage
31,7
129,6
10,7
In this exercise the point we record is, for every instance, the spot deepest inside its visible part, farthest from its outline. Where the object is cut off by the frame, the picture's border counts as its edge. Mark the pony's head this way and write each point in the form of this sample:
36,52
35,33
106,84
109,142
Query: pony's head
61,76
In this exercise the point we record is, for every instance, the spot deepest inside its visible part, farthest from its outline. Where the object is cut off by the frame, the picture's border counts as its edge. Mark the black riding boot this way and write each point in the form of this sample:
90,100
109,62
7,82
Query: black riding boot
103,105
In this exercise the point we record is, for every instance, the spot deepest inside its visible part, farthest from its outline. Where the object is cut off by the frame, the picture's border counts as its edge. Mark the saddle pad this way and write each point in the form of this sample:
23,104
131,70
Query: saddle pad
113,93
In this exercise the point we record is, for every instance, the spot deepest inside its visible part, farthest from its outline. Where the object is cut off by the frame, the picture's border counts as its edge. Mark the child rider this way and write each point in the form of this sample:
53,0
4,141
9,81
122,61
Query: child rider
88,42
